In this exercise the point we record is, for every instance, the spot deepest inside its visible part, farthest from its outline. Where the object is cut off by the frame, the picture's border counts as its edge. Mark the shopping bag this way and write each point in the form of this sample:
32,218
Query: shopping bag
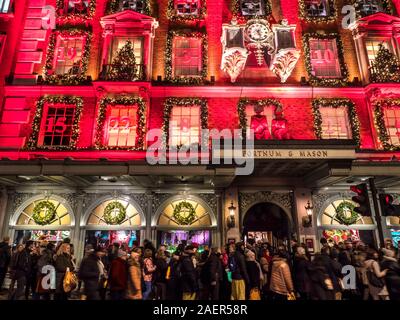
70,281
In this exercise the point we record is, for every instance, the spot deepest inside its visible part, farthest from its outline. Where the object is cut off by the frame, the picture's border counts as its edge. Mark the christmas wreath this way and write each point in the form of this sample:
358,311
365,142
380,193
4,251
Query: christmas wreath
114,213
184,213
341,213
44,212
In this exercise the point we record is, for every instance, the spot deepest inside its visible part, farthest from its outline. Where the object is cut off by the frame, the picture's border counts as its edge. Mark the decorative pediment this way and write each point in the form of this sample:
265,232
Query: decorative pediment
379,19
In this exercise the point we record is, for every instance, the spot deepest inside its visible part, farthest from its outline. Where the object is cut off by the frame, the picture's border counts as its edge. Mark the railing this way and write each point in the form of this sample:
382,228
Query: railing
129,74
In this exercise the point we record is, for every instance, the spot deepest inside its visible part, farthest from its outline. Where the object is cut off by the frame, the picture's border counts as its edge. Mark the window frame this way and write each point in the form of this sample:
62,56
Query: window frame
9,8
385,6
114,5
140,121
237,9
39,120
174,15
62,11
331,8
379,117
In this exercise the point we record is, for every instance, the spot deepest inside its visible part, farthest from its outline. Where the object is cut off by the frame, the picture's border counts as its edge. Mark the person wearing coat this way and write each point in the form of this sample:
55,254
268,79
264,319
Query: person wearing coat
254,272
188,271
148,270
333,268
173,277
5,258
372,266
62,262
302,281
237,266
392,278
118,276
211,276
46,258
281,283
160,274
322,284
89,273
134,288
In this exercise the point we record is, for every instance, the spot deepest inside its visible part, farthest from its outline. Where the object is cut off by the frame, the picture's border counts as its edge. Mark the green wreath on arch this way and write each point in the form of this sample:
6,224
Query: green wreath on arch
44,212
189,213
340,213
110,217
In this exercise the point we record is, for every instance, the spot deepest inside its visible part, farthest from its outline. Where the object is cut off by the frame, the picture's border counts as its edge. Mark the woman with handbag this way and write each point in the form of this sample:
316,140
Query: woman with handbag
376,284
255,276
64,269
281,283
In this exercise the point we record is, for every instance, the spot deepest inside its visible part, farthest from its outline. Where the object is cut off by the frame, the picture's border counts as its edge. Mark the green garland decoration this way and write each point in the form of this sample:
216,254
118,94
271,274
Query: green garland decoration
386,6
235,8
112,7
67,79
171,102
315,19
174,16
245,102
184,220
119,218
48,217
385,67
341,216
325,82
141,125
64,17
380,122
335,103
32,143
168,58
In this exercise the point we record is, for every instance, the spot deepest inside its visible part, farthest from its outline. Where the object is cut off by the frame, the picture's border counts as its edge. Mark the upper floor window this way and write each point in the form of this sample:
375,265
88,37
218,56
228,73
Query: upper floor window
253,7
372,47
368,7
5,6
317,8
187,7
121,126
335,123
135,5
184,125
391,116
68,59
187,57
324,58
285,39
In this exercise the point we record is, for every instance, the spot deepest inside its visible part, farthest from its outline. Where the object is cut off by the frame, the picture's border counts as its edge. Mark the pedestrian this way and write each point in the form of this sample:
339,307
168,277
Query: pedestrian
89,273
211,276
173,277
302,267
237,267
21,268
281,284
392,277
5,258
375,275
118,276
134,288
46,259
322,285
189,276
255,276
148,270
63,263
160,274
13,266
265,263
31,280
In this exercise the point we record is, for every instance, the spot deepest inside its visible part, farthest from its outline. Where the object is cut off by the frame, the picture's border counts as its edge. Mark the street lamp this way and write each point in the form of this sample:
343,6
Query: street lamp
307,220
231,218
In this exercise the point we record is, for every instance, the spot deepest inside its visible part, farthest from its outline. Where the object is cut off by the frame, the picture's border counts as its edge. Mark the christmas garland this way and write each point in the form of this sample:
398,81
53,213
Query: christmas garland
33,139
340,210
187,102
335,103
108,210
325,82
184,220
67,79
317,19
65,17
245,102
141,125
48,217
380,122
113,7
386,6
236,11
173,15
169,76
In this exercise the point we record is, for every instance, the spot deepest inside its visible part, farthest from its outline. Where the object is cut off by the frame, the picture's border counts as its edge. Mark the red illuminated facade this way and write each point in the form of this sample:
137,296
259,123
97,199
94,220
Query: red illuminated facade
77,102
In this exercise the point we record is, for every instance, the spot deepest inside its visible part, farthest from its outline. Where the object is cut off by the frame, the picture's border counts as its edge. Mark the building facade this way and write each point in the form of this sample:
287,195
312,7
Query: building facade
85,82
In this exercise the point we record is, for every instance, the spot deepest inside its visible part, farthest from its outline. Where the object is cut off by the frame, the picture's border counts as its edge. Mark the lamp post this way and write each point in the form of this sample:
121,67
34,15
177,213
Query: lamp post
307,220
231,218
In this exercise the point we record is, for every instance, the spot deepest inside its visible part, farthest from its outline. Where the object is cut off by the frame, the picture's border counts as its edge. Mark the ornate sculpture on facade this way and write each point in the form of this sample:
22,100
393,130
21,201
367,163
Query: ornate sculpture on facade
280,126
259,124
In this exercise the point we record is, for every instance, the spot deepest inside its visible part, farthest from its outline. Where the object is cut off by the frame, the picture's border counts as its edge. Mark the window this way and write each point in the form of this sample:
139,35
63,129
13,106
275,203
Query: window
121,126
317,8
187,57
187,7
392,123
368,7
285,39
76,7
137,42
185,124
335,123
57,123
68,59
136,5
234,38
252,7
324,58
5,6
372,47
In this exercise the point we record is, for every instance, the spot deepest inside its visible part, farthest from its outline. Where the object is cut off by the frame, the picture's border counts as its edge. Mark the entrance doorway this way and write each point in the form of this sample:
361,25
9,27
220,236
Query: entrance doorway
266,222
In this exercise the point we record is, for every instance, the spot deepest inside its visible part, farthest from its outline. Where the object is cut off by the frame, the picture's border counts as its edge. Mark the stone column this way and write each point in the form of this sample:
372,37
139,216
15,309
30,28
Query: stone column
149,216
361,52
78,238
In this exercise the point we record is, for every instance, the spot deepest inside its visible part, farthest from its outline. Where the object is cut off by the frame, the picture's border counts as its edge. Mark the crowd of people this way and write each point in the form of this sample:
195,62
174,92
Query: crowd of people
237,271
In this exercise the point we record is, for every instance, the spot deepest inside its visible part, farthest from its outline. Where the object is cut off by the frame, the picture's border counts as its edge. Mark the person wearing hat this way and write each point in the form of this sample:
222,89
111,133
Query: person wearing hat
134,288
237,267
173,277
22,269
392,277
89,273
46,259
189,275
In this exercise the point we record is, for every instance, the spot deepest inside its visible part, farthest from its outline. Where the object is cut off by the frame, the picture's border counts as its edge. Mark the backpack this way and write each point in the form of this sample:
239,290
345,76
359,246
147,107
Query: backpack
232,264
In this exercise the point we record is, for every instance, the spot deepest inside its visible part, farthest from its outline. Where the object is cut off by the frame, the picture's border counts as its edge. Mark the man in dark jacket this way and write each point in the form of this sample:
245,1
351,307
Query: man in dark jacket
188,271
22,269
237,266
392,278
89,273
5,258
211,276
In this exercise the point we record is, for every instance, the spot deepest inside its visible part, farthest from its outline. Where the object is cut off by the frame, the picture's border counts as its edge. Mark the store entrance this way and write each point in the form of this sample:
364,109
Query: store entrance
105,238
173,239
54,236
267,223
